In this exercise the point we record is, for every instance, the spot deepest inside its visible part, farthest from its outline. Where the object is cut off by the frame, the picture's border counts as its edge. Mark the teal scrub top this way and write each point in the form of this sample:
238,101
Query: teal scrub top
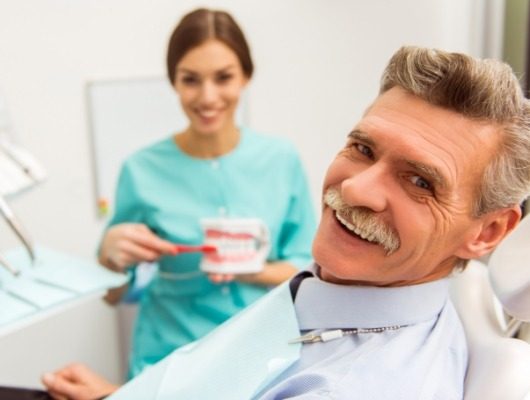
170,191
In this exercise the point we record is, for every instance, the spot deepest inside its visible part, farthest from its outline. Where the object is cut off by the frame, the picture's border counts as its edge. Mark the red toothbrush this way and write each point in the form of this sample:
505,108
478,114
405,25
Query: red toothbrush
184,248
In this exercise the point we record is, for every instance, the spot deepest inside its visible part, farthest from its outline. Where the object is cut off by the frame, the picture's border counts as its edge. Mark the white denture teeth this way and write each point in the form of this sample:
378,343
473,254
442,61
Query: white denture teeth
354,229
229,247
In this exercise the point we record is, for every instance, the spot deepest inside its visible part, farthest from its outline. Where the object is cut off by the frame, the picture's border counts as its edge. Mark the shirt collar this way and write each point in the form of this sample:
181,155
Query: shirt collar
324,305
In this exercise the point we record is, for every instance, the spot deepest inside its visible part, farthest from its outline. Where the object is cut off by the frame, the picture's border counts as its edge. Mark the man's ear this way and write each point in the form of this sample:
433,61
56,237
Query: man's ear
491,229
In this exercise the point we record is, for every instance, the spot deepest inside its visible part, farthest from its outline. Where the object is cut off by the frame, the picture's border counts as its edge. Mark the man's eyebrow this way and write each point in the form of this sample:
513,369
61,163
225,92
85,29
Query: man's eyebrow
430,172
363,137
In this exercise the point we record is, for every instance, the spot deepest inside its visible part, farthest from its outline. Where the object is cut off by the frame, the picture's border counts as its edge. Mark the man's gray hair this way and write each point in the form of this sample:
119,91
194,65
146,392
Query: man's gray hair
484,90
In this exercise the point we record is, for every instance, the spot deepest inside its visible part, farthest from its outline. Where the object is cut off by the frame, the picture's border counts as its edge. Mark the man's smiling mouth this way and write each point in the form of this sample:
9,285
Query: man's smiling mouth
353,229
361,222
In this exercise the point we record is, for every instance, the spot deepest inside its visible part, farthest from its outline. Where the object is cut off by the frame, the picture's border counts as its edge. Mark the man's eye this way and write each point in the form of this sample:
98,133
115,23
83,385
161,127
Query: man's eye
364,150
421,182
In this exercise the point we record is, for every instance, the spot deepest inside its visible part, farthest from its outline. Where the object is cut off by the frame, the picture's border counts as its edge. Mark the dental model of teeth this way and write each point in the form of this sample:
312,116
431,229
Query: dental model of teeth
231,247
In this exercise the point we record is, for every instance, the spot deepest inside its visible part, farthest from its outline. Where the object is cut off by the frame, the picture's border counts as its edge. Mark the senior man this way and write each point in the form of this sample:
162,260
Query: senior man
430,177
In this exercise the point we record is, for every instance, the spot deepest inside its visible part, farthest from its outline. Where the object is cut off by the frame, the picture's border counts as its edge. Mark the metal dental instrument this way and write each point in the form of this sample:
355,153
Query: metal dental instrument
326,336
8,266
16,226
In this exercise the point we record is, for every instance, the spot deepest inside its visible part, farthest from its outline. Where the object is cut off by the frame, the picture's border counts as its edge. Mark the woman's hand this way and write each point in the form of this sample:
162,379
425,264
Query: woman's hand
221,278
127,244
77,382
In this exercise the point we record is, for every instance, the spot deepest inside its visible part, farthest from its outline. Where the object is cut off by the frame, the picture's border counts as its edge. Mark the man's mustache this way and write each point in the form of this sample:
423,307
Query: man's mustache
364,221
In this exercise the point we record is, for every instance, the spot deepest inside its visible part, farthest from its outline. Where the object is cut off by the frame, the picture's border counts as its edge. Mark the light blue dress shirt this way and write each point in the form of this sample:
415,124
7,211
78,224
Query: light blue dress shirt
170,191
424,359
252,356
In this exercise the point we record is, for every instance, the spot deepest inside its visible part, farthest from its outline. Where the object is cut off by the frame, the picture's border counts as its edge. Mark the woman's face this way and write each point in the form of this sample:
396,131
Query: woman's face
209,80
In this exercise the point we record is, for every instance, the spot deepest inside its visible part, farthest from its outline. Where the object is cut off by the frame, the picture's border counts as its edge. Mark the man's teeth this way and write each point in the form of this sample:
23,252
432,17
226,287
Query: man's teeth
357,231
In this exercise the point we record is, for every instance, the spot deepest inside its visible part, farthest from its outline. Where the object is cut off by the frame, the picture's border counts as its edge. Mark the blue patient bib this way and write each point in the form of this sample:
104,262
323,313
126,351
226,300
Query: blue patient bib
233,362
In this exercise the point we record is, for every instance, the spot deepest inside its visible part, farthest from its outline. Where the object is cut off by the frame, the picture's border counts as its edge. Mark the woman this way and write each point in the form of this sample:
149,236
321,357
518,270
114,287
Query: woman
213,168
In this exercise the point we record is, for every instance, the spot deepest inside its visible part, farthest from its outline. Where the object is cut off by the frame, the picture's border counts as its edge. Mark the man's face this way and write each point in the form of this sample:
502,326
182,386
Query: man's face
405,183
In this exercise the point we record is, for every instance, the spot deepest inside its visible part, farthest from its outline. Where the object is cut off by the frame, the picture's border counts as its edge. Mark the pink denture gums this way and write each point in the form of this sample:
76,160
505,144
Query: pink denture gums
218,234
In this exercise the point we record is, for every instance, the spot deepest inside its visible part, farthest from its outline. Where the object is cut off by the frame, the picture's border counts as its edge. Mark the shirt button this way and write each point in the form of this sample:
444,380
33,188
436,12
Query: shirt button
225,290
215,164
222,211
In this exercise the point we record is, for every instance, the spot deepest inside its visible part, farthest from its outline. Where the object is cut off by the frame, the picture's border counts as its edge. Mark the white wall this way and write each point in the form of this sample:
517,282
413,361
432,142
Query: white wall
318,65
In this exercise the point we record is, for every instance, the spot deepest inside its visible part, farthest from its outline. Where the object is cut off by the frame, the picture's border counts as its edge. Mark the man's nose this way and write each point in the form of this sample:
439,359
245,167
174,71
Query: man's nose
367,188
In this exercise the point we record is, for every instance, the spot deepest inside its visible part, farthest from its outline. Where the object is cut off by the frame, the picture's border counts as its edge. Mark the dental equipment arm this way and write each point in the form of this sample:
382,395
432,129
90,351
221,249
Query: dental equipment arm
8,266
16,226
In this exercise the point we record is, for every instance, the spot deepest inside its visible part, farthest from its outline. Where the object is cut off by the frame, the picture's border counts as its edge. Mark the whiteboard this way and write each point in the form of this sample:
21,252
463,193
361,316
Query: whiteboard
126,115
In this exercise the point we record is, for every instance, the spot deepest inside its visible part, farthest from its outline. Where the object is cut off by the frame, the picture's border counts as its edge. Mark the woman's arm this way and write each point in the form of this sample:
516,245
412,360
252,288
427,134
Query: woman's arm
273,274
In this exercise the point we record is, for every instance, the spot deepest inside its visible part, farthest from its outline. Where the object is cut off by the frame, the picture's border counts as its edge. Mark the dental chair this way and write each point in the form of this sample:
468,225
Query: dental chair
492,302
